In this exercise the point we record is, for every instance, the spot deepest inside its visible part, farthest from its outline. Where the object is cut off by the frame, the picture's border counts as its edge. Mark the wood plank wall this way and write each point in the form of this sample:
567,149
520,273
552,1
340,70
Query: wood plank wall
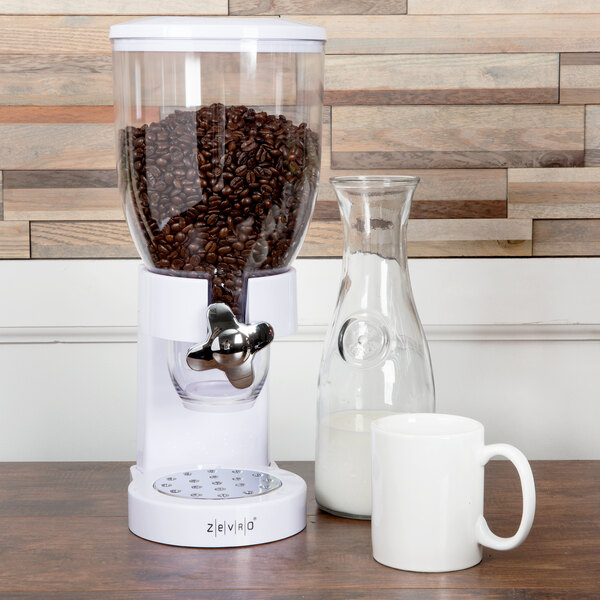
495,104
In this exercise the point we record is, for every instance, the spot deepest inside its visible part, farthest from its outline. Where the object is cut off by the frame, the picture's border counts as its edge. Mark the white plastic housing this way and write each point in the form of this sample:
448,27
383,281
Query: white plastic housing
172,438
174,308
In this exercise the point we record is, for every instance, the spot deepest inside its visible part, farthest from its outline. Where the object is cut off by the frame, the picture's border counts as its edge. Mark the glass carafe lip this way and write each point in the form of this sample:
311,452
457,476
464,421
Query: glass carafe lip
365,181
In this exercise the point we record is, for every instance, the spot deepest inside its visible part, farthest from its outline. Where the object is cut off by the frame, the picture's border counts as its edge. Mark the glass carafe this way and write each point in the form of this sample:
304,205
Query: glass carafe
376,360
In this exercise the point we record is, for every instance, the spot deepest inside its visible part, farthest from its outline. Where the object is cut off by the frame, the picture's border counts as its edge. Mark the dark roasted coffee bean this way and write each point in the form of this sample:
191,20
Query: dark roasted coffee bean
228,175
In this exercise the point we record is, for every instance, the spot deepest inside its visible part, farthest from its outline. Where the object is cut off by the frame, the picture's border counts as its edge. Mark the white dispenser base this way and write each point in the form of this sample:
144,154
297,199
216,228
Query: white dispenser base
175,442
203,523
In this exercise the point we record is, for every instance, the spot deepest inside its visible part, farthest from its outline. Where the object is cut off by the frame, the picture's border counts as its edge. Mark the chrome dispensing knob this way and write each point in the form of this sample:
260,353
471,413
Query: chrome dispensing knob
230,347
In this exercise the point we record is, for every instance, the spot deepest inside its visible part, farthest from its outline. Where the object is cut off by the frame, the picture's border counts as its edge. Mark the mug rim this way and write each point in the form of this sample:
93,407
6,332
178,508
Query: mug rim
385,425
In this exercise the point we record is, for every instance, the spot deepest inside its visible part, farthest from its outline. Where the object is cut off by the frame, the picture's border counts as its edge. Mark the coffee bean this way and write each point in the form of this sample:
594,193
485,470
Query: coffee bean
220,175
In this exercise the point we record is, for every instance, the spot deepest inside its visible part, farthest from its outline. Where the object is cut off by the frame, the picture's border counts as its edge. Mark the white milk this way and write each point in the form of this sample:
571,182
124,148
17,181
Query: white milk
343,465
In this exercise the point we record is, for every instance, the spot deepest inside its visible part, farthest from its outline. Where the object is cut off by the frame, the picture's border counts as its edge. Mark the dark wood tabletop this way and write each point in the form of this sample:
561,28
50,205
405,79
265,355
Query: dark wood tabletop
63,535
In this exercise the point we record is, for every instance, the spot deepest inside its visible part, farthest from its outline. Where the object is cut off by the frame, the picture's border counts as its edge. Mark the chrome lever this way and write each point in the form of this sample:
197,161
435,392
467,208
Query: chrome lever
230,346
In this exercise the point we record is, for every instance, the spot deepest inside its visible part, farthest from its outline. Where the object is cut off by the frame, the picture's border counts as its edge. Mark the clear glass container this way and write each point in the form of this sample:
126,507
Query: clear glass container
376,360
211,390
218,128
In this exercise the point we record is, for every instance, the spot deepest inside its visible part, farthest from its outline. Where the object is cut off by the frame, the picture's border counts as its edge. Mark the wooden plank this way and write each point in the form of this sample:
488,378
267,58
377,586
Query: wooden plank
304,594
579,58
295,594
62,204
70,79
72,488
57,146
326,139
446,34
57,114
1,197
112,7
56,35
99,554
99,488
349,34
95,553
580,78
437,238
33,79
469,237
14,239
554,193
317,7
592,136
566,237
441,193
81,239
457,7
422,137
86,79
323,239
60,179
442,79
68,520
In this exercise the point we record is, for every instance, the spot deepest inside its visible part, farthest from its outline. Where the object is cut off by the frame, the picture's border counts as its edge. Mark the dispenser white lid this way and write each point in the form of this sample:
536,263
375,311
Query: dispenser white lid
216,34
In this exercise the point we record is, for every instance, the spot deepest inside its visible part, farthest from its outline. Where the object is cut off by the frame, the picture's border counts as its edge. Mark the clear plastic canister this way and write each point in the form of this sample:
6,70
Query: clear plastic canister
218,125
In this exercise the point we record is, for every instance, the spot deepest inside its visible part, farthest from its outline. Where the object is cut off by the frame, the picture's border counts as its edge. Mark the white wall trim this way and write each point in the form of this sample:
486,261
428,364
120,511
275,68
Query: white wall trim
316,333
67,335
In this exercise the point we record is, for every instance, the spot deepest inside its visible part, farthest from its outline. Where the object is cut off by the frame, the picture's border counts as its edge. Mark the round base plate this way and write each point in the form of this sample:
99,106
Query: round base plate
272,512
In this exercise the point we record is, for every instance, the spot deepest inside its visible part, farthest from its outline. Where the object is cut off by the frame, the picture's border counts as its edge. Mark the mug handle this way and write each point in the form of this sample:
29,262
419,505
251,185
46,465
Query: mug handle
484,535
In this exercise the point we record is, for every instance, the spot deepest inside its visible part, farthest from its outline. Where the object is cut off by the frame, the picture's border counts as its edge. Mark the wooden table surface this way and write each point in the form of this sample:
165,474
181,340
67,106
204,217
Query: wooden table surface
63,535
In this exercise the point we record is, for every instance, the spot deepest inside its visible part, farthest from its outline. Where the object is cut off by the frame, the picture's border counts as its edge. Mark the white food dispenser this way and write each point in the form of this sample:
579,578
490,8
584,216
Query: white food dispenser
218,126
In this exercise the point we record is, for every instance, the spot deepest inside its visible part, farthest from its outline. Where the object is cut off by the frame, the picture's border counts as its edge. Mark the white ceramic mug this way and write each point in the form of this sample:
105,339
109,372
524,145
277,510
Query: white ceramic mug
427,472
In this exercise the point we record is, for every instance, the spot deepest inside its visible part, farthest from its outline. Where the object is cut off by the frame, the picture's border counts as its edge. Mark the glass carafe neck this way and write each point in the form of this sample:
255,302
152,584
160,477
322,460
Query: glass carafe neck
374,214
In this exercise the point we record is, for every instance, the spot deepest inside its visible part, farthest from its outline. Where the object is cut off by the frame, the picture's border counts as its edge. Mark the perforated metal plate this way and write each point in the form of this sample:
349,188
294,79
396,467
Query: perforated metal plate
217,484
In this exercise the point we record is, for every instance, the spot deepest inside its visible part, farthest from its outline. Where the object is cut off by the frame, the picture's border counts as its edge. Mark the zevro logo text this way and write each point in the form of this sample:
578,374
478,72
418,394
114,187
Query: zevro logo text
218,528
